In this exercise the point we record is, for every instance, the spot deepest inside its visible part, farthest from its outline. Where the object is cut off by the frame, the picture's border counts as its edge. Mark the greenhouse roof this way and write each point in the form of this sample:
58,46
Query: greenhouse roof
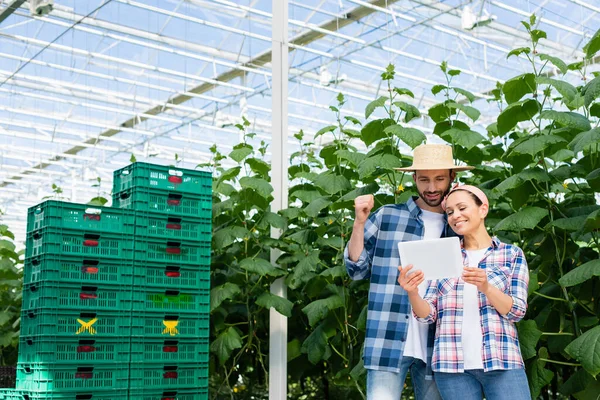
93,83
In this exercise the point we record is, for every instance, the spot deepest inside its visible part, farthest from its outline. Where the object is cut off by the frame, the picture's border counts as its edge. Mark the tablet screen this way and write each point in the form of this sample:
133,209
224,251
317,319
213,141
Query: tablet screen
437,258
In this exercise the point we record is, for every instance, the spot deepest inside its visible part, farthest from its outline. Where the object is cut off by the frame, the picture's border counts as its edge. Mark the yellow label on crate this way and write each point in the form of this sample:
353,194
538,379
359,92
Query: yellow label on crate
171,328
87,326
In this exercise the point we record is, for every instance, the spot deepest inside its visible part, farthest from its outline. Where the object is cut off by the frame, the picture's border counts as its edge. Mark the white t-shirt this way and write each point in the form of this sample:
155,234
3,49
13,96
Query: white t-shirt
416,340
472,338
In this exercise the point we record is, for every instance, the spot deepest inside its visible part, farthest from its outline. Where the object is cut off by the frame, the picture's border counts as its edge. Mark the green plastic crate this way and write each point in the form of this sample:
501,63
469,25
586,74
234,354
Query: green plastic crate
170,350
164,226
172,252
66,351
172,301
60,214
69,269
71,378
162,177
56,241
169,376
161,275
169,326
166,394
80,297
11,394
78,324
83,394
169,203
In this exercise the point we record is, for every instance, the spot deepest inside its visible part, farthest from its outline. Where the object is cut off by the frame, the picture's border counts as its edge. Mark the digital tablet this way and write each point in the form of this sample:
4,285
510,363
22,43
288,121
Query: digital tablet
437,258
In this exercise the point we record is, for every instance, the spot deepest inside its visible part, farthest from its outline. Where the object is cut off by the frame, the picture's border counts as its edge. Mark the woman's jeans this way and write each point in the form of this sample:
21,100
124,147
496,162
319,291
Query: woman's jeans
473,384
384,385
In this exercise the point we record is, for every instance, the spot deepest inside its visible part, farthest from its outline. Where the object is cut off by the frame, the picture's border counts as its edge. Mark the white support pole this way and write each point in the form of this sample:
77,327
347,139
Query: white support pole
278,323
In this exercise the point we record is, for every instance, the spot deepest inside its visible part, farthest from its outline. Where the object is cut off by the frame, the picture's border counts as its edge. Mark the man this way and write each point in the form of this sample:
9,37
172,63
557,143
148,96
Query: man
395,342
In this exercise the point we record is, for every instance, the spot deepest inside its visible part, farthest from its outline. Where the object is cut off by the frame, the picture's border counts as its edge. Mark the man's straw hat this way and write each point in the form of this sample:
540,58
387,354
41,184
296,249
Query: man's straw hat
432,157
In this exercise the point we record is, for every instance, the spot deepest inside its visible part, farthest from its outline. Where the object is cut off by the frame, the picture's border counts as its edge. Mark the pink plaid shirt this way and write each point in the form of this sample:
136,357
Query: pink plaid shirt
507,270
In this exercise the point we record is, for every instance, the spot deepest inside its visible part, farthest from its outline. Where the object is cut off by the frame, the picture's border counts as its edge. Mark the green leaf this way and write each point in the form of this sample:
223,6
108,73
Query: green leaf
302,272
509,183
527,218
538,377
229,174
225,343
219,294
535,144
335,272
595,110
132,159
332,183
567,90
403,91
591,91
592,47
438,88
260,267
268,300
579,275
306,195
470,96
353,120
585,140
325,130
353,157
315,207
557,62
454,72
411,112
318,309
441,112
358,370
529,335
259,167
260,185
570,224
378,162
411,136
518,51
517,112
570,119
240,152
465,138
270,219
592,222
375,104
586,350
469,111
536,35
372,132
576,383
315,345
514,89
97,201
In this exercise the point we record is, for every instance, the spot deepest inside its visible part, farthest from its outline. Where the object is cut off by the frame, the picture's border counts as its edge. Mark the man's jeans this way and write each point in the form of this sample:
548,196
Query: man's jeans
383,385
474,383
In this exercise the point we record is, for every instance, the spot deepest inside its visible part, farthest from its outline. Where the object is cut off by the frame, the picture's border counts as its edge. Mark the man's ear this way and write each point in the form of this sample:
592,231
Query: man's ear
452,175
414,175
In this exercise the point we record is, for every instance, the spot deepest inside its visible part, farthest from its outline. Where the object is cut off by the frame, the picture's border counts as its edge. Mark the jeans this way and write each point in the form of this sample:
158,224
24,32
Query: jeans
474,383
384,385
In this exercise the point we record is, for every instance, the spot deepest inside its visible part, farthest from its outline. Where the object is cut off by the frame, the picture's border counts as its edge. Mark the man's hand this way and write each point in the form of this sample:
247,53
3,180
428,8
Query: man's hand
362,208
411,282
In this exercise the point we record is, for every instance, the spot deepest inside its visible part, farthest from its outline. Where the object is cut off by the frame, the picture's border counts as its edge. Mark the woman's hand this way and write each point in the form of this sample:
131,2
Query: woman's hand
477,277
411,282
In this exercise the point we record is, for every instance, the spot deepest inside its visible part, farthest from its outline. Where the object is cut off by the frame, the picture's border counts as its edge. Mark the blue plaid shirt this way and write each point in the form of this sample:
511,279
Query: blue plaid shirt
389,309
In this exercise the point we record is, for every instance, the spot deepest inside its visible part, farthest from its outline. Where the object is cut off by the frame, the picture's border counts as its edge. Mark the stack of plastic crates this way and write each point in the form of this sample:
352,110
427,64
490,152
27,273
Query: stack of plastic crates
170,318
76,330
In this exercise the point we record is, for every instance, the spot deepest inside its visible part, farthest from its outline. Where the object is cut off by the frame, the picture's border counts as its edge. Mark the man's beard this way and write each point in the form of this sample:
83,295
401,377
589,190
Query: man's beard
437,202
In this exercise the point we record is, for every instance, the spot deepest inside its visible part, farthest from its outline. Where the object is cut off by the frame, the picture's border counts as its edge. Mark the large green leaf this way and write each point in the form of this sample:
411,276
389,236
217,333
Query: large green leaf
518,51
332,183
270,219
465,138
303,271
225,343
585,139
261,267
318,309
567,90
592,91
306,195
538,375
315,345
411,136
228,235
535,144
219,294
327,129
529,335
268,300
586,350
375,104
240,152
315,207
261,186
470,96
557,62
410,112
569,118
576,383
581,274
469,111
570,224
441,112
353,157
528,218
373,131
592,47
383,162
514,89
592,222
517,112
259,166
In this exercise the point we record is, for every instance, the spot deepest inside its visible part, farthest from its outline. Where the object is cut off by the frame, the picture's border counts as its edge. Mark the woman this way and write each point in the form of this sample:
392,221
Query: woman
476,348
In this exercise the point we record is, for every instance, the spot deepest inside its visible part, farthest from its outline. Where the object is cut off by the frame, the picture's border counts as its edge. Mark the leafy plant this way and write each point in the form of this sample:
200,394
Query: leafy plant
11,282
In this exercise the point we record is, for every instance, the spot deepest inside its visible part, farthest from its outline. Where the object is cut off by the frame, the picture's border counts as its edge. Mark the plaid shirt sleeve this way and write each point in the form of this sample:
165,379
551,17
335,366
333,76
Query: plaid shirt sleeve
517,288
361,269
